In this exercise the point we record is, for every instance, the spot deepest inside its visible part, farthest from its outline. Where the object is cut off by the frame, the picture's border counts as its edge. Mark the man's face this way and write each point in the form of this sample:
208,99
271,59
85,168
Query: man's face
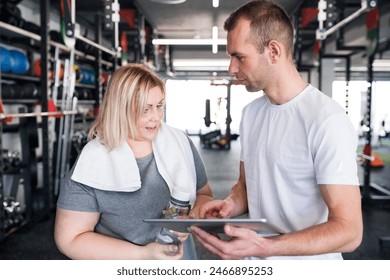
246,64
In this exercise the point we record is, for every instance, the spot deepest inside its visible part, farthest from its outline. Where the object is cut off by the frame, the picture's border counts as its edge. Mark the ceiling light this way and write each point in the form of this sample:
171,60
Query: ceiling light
169,1
215,3
215,39
201,64
188,41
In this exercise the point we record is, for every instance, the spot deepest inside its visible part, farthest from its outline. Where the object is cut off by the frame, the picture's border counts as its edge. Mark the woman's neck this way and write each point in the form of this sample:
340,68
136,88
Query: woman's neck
140,148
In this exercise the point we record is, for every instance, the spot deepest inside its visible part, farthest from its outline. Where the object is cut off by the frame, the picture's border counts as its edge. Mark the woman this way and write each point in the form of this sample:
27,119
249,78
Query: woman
126,173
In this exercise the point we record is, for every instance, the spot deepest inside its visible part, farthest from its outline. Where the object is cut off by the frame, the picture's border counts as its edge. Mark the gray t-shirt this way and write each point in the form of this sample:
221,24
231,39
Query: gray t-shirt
122,213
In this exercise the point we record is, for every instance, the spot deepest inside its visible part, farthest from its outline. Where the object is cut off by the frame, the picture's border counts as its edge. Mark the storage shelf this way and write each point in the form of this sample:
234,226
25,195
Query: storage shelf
78,54
11,76
39,196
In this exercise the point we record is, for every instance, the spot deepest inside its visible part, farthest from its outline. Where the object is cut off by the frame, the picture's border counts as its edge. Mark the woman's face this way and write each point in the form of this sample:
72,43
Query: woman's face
149,122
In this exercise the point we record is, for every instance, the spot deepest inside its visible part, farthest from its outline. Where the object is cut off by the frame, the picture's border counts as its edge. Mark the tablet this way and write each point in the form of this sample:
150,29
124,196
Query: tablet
261,226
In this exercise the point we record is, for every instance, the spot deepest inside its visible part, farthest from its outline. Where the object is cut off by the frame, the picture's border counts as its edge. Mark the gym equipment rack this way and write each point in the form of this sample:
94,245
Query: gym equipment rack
25,127
39,201
100,57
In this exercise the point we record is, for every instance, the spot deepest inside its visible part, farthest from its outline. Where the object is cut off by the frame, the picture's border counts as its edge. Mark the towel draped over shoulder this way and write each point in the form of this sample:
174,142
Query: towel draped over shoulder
117,170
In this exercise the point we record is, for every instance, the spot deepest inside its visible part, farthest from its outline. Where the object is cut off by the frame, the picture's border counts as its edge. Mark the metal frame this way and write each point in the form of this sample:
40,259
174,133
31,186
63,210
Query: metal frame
322,33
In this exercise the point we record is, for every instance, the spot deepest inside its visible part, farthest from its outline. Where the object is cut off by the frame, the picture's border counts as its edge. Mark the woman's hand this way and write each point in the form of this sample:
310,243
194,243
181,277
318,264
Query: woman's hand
181,235
203,196
157,251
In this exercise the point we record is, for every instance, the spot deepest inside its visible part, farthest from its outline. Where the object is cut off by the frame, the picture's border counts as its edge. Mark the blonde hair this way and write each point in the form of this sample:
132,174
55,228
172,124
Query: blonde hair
123,102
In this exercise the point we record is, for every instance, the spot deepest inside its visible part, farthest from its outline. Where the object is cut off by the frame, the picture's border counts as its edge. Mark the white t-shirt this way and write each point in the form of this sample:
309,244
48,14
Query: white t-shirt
288,150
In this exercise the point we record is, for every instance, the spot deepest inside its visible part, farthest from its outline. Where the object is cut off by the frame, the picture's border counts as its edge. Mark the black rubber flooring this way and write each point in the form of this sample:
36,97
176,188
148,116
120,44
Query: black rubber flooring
35,242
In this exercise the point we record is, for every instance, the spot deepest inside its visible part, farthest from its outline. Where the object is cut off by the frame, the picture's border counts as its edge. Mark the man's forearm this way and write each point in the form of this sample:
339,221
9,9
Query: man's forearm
239,198
329,237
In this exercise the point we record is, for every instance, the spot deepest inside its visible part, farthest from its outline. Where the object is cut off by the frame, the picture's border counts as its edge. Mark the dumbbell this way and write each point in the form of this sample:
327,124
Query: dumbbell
23,91
11,159
29,91
82,94
13,213
11,14
8,91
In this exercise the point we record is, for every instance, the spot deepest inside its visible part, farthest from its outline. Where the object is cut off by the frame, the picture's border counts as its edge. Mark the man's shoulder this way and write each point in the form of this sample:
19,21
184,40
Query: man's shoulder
321,101
255,103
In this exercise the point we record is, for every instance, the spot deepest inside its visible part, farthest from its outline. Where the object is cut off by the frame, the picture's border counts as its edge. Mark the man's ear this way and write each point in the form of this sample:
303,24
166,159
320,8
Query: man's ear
275,50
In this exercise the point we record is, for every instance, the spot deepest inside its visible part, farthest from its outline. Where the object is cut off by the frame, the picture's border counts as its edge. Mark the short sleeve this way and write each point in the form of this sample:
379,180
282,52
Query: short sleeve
201,175
335,148
76,196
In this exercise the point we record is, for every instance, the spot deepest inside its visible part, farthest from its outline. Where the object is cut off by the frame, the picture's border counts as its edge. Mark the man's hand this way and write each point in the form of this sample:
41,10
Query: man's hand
242,243
216,209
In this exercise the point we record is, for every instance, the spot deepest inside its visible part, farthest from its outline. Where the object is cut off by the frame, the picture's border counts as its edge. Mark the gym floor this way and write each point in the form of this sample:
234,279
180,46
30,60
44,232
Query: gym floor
36,242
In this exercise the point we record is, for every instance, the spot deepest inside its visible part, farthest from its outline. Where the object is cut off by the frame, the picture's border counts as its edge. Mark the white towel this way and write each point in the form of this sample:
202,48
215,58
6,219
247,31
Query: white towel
117,170
175,161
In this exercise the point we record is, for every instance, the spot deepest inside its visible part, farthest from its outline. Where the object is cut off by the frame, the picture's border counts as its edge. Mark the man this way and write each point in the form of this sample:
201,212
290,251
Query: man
298,152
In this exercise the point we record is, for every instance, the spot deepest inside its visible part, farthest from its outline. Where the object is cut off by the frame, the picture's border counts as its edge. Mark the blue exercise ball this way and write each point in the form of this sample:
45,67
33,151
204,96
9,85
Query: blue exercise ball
92,77
20,63
84,76
5,60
